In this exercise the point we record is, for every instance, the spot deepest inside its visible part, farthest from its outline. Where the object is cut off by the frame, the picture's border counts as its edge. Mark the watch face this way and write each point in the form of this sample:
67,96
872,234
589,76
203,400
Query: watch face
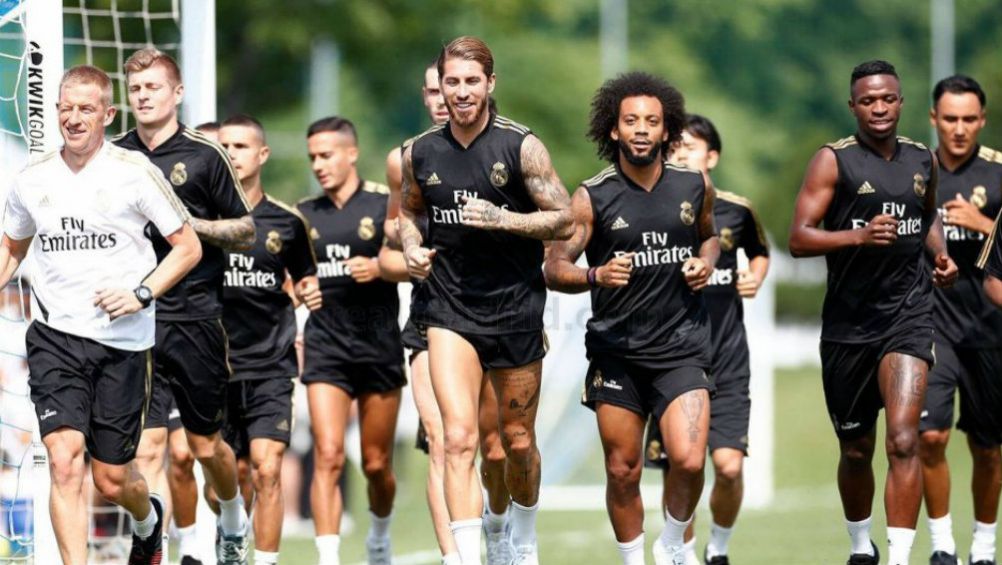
144,294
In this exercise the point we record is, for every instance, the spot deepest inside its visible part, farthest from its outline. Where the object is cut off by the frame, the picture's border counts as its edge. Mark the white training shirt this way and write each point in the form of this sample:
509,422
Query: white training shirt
89,233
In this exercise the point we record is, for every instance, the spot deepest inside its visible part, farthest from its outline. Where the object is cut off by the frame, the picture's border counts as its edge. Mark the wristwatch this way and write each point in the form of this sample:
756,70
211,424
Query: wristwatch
144,295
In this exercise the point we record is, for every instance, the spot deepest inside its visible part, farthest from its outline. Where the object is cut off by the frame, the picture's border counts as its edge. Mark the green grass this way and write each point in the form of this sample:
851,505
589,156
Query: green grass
804,525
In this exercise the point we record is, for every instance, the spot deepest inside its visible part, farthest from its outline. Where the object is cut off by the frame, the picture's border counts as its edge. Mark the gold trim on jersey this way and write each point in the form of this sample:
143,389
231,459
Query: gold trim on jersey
842,143
986,249
745,203
39,159
990,155
903,139
299,215
682,169
375,187
198,136
413,140
138,159
602,175
505,123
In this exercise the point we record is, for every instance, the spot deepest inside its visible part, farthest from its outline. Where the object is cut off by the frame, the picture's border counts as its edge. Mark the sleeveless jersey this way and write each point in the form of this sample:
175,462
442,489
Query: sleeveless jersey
481,281
655,320
873,292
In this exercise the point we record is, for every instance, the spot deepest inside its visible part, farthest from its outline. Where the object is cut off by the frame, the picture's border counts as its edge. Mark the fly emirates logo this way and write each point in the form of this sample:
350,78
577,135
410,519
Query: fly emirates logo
334,266
658,250
241,273
454,216
957,233
75,237
906,226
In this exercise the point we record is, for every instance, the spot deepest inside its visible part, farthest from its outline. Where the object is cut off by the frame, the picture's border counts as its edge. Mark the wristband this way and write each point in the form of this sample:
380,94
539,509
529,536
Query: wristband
591,277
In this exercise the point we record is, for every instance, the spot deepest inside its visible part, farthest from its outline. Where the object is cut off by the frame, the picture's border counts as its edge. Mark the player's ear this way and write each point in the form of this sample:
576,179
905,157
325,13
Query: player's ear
264,153
712,158
614,134
178,94
353,154
109,115
490,83
932,116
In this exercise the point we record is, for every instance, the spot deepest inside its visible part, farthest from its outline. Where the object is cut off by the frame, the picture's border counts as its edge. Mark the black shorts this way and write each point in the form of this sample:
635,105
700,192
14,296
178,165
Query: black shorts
190,364
415,338
98,390
173,417
258,409
356,378
849,375
646,391
730,357
507,351
976,372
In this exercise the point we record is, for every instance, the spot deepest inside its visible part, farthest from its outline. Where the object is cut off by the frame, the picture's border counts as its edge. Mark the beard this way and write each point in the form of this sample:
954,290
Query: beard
465,120
640,160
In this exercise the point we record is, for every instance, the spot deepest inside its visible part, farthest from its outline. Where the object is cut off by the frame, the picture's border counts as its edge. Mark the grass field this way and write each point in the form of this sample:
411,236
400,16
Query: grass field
803,525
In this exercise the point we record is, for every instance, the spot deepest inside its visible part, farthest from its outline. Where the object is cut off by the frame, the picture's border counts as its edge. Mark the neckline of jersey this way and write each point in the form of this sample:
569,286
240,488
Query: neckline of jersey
163,146
963,166
866,147
634,185
452,139
358,190
99,154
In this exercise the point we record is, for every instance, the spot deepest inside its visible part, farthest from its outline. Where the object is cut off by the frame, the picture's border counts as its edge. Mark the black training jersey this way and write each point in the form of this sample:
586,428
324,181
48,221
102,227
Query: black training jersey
361,319
875,291
738,227
655,319
258,315
962,314
203,178
482,281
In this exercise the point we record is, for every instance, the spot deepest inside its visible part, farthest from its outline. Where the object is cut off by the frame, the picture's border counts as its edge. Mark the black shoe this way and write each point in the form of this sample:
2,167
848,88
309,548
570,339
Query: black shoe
189,560
983,562
864,559
942,558
149,551
716,559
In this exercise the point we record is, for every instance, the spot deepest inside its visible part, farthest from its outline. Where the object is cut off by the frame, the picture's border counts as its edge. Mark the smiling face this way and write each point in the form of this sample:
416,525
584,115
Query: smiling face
876,103
466,90
958,119
83,115
640,130
153,97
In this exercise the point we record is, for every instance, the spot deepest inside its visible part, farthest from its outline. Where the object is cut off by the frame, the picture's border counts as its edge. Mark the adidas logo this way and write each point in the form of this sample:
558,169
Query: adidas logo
283,426
619,224
44,202
433,179
865,188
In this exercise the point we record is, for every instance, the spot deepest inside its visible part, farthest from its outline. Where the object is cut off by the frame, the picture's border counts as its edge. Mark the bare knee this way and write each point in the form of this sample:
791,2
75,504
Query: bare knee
902,443
690,463
858,453
110,485
492,451
461,443
328,457
267,474
519,443
932,446
204,448
66,466
623,470
151,450
728,471
986,459
376,466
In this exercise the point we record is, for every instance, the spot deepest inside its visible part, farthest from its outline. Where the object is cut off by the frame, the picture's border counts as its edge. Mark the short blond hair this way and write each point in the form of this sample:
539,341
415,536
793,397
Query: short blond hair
89,74
149,57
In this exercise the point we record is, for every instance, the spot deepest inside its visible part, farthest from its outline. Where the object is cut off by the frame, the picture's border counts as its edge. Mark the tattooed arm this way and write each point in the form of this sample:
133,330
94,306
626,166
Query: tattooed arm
235,234
553,221
412,213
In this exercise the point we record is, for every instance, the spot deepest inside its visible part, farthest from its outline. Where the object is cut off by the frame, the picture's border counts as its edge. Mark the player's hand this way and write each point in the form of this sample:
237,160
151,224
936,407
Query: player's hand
309,293
419,262
616,272
748,284
945,272
480,213
117,302
961,213
881,231
363,269
697,273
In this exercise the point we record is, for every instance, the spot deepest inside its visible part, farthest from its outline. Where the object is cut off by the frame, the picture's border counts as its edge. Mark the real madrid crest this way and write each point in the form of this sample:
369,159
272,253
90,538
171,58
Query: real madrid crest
179,174
726,239
367,228
654,450
979,196
499,175
274,242
596,381
314,234
919,185
688,215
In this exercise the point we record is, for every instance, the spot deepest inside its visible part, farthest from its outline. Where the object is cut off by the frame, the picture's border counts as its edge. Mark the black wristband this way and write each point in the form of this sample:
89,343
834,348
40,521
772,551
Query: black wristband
592,272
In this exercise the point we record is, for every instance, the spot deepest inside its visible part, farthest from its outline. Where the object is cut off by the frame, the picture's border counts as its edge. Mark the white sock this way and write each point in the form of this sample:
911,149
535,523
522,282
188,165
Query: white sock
632,552
232,515
495,523
523,524
187,540
983,544
859,537
941,534
451,559
690,552
265,557
144,528
674,530
467,536
719,537
327,547
379,527
899,545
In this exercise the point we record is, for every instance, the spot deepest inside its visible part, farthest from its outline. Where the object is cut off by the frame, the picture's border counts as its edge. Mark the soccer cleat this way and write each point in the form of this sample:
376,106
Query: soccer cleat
499,550
232,549
664,555
378,551
149,551
525,555
716,559
189,560
943,558
983,562
864,559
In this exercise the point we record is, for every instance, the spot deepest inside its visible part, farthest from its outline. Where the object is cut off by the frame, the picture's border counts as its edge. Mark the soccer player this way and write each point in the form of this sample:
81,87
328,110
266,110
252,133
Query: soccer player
190,357
83,211
730,408
353,349
647,231
489,194
968,327
875,192
261,325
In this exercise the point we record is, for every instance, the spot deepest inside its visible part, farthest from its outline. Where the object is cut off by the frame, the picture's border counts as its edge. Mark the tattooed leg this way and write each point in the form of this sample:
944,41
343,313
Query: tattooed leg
902,385
518,400
685,426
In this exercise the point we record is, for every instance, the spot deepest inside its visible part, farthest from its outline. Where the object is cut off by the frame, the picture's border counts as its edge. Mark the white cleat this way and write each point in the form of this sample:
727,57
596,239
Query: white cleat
378,551
525,555
664,555
499,550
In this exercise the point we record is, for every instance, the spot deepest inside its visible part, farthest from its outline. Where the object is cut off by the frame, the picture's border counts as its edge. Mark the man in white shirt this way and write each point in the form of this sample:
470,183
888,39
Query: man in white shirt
84,210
